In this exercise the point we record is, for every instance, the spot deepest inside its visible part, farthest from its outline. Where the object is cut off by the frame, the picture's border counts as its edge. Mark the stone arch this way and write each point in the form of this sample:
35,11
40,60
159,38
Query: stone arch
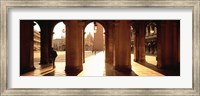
53,33
36,36
103,24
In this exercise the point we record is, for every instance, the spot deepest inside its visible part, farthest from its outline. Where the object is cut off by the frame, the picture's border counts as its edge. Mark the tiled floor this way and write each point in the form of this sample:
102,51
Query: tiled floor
94,66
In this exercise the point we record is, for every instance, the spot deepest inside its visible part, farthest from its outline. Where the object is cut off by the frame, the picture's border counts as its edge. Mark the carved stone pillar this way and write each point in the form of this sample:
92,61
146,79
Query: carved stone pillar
122,46
74,51
44,36
169,44
109,43
50,33
50,38
26,46
139,48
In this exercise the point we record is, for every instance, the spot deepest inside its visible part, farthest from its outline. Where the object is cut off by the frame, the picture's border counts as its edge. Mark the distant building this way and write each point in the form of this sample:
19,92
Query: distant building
151,39
132,39
99,38
95,43
36,40
91,43
59,44
89,40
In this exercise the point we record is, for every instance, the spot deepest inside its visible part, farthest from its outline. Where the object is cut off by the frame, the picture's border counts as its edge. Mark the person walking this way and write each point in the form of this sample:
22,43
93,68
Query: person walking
53,55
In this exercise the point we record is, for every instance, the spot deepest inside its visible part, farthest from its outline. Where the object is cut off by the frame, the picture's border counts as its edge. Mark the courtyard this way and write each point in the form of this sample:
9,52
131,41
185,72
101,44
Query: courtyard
94,66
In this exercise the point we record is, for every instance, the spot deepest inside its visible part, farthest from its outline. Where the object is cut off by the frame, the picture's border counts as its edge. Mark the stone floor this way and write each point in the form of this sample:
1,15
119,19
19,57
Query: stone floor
94,66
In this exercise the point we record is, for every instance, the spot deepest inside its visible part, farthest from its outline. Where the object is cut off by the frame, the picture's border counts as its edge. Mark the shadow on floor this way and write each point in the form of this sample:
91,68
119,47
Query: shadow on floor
48,70
166,72
110,71
71,73
53,71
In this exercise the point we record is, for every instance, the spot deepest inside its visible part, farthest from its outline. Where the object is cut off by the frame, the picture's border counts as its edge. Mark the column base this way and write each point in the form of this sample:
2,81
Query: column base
141,61
123,68
160,66
73,71
25,70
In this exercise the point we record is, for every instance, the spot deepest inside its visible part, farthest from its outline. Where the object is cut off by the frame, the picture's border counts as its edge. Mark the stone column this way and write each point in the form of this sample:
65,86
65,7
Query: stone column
74,51
159,41
26,46
50,33
50,38
139,48
109,43
168,44
44,36
122,46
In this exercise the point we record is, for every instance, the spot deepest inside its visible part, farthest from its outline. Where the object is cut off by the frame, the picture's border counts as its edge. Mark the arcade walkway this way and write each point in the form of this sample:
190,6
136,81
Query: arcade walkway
95,66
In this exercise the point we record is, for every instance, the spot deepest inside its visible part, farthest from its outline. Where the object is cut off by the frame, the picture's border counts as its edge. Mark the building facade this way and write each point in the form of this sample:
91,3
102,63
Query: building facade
99,38
151,39
36,40
89,42
59,44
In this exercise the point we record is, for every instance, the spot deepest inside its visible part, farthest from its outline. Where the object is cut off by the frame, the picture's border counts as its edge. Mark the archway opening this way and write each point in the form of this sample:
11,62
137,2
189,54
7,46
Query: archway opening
36,44
94,46
58,42
94,39
151,43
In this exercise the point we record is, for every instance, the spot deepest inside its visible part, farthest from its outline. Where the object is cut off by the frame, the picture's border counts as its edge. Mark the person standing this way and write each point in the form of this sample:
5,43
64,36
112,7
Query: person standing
53,55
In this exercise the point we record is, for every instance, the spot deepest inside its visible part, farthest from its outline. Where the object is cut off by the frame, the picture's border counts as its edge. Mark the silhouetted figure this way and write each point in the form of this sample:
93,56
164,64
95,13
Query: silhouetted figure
53,55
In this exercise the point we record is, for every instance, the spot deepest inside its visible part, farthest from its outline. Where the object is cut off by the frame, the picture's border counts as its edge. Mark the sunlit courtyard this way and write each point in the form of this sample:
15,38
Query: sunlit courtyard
94,66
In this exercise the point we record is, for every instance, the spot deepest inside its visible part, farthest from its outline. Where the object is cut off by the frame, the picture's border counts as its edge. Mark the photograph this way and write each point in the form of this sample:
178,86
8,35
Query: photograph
100,48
